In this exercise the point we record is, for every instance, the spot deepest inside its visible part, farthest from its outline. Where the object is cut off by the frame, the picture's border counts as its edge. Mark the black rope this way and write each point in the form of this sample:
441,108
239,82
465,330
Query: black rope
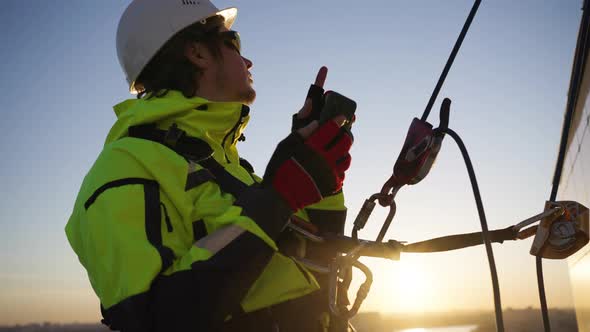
484,228
451,59
542,297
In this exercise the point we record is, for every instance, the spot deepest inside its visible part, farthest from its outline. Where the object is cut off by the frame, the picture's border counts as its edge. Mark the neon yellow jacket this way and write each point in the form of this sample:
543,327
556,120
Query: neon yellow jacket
136,218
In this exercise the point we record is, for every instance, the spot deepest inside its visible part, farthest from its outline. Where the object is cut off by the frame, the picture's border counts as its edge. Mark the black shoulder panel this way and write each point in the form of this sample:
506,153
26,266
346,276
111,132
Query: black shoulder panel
153,226
113,184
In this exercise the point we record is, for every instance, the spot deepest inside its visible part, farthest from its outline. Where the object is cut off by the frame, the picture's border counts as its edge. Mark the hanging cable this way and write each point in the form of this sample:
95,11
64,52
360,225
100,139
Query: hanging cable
451,59
484,228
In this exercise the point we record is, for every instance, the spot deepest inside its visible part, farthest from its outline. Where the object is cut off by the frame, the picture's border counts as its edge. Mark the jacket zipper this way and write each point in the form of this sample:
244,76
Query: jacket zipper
244,112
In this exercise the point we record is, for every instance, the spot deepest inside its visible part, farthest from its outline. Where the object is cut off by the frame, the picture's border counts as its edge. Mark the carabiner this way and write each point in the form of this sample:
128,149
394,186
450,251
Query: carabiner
340,265
367,210
388,219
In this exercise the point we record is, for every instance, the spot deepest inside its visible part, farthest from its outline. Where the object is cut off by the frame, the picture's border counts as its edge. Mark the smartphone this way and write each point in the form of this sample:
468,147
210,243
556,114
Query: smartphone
336,104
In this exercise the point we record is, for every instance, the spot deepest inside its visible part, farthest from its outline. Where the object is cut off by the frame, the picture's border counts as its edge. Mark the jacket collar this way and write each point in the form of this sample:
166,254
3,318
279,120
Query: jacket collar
220,124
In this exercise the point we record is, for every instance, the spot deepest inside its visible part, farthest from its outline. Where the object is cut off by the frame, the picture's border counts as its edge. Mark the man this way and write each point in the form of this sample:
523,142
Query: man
175,230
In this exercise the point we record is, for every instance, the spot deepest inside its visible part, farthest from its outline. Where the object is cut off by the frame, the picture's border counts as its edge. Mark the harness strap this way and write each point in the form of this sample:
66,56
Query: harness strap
195,150
224,179
174,138
459,241
196,178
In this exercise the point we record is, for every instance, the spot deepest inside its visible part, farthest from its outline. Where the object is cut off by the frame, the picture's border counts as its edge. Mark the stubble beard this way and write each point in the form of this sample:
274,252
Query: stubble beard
245,96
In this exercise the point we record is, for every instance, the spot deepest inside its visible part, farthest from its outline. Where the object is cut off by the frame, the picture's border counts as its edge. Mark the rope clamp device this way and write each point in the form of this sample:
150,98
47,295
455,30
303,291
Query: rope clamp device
564,229
418,153
561,236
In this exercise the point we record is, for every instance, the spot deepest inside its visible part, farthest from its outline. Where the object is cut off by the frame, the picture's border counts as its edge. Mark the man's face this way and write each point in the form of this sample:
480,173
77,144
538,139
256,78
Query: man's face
232,77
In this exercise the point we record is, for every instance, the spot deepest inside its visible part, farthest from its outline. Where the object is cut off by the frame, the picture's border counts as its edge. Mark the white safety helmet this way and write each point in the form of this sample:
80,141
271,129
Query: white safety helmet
146,26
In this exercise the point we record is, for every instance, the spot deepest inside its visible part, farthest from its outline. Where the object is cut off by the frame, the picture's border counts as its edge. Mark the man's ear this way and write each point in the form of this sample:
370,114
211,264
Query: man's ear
198,54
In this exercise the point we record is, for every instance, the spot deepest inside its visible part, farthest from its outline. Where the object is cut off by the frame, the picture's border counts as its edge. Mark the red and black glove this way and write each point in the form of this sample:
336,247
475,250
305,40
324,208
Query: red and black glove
303,171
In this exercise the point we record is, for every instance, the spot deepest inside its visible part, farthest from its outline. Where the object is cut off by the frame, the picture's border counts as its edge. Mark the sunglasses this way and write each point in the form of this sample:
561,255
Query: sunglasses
231,39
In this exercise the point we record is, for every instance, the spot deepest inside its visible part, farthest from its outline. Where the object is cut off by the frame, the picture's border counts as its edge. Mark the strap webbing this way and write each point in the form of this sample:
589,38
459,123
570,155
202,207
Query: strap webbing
176,139
197,178
459,241
224,179
193,149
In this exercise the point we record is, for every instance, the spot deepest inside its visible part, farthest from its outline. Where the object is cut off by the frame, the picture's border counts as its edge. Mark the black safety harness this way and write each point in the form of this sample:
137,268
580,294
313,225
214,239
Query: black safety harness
193,150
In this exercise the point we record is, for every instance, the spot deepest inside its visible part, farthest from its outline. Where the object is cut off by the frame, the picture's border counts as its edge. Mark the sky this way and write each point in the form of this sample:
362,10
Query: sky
60,78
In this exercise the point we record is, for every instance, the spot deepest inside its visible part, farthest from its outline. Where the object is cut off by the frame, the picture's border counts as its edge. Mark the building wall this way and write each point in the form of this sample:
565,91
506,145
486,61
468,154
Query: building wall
575,185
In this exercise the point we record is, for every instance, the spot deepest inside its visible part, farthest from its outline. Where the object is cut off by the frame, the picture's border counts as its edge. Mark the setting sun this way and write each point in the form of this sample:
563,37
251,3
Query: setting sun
413,285
398,286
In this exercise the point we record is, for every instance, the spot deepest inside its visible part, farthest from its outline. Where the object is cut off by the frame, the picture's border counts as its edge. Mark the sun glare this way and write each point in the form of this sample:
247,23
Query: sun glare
400,286
413,286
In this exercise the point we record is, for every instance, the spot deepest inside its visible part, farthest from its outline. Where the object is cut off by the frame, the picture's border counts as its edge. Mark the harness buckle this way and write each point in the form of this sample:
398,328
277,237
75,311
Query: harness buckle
173,135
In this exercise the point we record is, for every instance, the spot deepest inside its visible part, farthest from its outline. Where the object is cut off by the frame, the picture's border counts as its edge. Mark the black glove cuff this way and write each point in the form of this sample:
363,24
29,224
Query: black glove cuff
282,153
294,147
266,208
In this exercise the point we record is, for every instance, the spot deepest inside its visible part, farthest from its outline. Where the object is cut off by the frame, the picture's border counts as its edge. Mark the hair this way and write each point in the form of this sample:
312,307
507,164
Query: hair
169,69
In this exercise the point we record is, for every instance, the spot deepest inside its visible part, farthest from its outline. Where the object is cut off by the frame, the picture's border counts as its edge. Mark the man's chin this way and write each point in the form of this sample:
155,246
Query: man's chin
248,97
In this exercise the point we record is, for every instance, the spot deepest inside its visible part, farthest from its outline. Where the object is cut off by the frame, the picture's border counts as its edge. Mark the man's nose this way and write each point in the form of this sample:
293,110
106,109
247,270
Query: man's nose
247,62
